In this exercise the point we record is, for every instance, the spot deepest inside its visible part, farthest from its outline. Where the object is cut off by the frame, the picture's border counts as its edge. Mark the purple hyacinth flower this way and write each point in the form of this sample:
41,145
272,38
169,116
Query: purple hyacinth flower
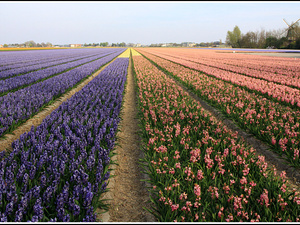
66,218
34,219
38,209
9,208
3,217
53,220
19,215
76,209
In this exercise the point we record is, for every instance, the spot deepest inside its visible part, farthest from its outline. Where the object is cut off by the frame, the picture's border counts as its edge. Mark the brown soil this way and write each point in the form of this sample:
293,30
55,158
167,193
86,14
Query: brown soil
6,141
127,193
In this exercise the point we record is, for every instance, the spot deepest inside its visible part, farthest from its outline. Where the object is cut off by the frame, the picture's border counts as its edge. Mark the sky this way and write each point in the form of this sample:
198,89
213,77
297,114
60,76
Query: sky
144,22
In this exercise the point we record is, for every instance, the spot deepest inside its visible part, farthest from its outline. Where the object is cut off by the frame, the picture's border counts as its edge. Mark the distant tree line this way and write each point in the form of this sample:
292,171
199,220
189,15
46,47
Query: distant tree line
28,44
189,44
263,39
168,44
91,44
105,44
209,44
31,44
102,44
122,44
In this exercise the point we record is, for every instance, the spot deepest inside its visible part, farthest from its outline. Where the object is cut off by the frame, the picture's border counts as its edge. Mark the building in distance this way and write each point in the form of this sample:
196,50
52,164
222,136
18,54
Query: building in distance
75,45
188,44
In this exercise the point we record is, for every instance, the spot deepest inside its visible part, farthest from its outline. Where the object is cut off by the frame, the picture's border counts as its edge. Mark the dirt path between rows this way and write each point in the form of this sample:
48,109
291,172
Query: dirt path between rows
6,141
127,194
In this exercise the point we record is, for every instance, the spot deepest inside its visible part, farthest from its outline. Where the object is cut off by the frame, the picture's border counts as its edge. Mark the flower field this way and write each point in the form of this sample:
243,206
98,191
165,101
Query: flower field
20,105
22,68
197,168
278,91
14,83
57,171
275,123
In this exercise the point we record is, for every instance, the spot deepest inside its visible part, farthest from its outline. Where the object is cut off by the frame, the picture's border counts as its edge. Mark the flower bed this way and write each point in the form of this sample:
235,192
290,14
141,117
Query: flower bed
58,170
18,106
24,69
277,65
200,171
271,122
288,78
282,93
21,81
16,59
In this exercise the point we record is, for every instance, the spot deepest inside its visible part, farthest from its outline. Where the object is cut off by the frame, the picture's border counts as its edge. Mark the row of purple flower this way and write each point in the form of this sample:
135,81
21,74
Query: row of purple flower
41,65
31,77
20,105
58,170
19,58
47,59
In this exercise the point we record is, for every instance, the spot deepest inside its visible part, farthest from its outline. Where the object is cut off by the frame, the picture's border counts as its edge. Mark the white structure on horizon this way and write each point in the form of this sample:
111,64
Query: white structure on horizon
75,45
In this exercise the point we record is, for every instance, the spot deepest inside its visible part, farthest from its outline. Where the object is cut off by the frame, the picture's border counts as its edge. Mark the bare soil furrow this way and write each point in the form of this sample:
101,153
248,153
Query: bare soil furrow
127,194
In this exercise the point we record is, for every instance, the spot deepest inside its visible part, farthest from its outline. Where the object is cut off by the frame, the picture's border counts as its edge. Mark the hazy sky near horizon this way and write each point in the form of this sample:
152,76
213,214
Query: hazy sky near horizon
146,22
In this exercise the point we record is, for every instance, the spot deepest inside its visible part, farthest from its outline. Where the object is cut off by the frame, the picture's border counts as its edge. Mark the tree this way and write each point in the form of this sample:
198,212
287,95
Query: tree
5,45
249,40
261,38
203,44
297,44
271,42
233,38
104,44
30,44
123,44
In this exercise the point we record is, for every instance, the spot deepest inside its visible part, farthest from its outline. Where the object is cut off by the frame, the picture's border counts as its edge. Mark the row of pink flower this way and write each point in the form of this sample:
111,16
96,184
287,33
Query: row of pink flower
289,80
280,92
276,65
272,122
200,171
